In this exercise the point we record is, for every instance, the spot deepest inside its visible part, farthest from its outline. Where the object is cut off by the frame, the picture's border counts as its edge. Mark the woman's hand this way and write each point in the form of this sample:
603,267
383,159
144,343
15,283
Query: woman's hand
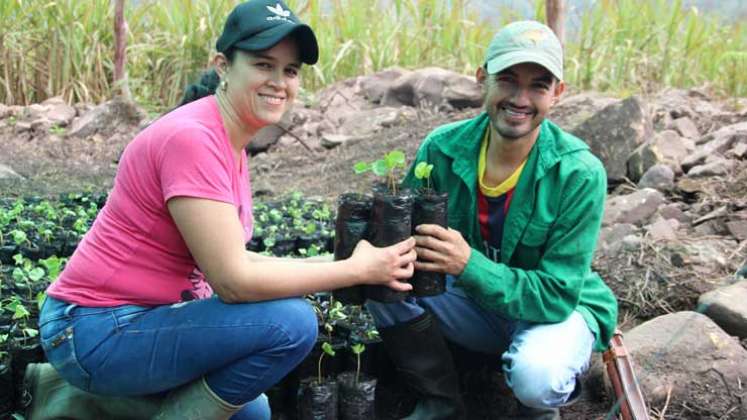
385,266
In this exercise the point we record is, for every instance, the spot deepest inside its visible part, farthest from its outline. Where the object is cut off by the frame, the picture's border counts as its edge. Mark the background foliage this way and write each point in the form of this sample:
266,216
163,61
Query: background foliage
65,47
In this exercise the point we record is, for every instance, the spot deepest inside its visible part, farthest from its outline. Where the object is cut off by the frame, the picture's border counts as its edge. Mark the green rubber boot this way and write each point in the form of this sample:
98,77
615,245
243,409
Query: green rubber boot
54,398
195,401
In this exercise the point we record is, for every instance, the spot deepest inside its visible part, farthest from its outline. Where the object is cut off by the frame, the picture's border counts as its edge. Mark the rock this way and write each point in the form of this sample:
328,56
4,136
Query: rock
107,118
739,151
727,307
686,358
672,104
709,255
718,167
41,125
631,242
33,112
365,122
264,139
433,86
659,177
6,172
376,85
718,142
342,99
615,132
641,160
686,128
663,230
738,229
667,147
330,141
59,112
610,237
674,211
573,110
21,127
635,208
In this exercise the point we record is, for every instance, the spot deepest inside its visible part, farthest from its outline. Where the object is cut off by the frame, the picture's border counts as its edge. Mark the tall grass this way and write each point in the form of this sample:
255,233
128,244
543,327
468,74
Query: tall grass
65,47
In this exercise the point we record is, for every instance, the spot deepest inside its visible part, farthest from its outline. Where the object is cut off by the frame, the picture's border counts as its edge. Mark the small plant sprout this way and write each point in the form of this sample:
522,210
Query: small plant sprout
423,172
357,350
386,167
326,349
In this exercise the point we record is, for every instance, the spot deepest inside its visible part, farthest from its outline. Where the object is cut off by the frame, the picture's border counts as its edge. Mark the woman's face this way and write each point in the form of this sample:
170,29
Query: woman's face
263,85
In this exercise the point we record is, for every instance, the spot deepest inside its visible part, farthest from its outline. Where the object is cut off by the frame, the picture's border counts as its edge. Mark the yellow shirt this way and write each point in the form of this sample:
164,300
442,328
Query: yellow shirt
504,186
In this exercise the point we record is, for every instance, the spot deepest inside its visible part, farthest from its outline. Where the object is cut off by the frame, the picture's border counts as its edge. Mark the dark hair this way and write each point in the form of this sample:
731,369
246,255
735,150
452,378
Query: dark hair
208,83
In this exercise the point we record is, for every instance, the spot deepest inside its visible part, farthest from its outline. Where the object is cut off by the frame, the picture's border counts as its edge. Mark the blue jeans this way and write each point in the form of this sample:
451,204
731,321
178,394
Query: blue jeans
240,349
541,362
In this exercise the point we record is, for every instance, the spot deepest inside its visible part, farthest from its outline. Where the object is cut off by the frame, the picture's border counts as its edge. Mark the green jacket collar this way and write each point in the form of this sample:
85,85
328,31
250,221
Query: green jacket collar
463,146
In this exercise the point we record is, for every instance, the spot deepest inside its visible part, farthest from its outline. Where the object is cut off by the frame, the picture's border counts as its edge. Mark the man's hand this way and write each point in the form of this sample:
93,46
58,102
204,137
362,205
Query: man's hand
443,250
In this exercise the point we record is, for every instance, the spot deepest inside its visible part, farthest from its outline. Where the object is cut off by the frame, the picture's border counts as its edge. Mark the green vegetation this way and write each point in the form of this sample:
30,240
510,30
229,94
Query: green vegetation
385,167
66,46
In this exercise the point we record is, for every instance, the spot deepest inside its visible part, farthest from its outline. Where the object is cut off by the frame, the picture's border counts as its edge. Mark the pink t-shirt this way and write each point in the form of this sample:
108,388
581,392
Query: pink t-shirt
133,253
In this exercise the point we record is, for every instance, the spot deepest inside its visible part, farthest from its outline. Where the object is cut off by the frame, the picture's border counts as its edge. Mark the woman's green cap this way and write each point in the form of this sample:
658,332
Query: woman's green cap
258,25
525,41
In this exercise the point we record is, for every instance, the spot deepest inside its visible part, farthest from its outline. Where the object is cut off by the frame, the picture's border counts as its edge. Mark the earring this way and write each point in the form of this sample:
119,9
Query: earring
223,85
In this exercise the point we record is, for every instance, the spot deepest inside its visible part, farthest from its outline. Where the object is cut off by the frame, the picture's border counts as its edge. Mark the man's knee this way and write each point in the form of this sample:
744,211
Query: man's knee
537,384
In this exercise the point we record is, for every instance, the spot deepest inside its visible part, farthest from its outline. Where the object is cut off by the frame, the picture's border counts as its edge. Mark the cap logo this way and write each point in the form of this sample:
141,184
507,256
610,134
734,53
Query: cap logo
535,36
280,14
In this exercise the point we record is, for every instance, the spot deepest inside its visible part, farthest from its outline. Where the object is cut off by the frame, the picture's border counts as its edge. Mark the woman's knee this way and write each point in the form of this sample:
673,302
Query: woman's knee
300,323
258,409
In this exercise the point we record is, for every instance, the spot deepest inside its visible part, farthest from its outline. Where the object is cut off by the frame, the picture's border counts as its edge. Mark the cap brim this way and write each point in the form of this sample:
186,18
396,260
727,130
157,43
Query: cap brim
507,60
307,45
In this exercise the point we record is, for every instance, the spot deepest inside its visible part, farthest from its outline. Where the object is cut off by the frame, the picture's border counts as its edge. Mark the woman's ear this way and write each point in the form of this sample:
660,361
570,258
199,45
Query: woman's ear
220,62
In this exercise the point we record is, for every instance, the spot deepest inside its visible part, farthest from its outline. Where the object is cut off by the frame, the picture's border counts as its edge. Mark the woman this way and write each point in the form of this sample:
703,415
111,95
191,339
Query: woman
133,315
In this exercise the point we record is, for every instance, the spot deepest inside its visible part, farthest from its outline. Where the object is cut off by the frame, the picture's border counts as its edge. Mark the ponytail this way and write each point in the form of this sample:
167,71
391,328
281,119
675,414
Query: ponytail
208,83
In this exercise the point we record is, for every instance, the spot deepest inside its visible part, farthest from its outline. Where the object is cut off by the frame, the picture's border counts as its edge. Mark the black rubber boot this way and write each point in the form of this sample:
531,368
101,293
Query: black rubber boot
529,413
418,350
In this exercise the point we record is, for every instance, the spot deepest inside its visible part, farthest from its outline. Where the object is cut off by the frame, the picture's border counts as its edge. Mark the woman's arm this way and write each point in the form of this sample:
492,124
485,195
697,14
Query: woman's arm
214,236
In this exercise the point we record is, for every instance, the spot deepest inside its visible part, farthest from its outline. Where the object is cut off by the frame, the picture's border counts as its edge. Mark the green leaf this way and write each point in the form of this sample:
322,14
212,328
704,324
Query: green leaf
18,275
428,170
361,167
420,170
380,167
310,228
395,158
327,348
30,332
358,348
20,311
36,274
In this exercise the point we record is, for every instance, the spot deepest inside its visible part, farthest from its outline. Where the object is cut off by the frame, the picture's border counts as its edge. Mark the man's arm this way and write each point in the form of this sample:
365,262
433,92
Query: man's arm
550,291
546,293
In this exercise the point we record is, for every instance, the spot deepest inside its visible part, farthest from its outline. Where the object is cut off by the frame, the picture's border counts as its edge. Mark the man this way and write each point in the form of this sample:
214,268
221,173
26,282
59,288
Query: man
525,207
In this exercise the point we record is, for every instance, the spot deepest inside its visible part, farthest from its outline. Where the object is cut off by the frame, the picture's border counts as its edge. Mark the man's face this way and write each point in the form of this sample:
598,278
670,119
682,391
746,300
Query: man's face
518,98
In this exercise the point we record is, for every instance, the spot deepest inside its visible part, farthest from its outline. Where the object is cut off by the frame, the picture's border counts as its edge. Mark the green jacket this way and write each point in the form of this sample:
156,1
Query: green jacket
550,232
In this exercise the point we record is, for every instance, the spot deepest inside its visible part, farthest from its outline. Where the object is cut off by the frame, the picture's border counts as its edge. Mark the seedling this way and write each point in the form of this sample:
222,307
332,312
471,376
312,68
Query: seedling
326,349
423,172
357,350
386,167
